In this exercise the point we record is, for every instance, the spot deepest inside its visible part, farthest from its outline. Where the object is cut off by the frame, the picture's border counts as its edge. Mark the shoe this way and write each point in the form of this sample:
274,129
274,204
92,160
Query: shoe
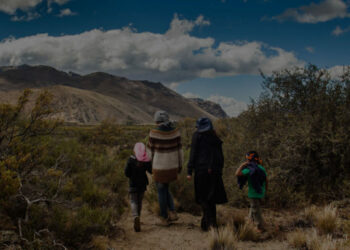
204,225
137,225
173,216
163,222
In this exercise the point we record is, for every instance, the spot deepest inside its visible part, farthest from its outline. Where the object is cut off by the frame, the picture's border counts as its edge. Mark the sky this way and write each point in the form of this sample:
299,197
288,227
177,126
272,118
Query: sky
212,49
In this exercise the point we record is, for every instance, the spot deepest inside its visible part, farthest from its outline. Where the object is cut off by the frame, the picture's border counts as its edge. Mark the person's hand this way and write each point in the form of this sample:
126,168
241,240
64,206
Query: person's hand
189,177
210,170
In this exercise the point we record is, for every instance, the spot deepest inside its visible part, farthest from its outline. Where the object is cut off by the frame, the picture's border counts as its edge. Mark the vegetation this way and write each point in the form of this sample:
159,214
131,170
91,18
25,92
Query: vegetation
222,239
313,241
60,185
301,127
63,186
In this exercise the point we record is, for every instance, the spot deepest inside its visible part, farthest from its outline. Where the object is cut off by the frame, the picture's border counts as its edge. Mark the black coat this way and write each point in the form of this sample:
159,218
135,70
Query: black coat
136,172
206,153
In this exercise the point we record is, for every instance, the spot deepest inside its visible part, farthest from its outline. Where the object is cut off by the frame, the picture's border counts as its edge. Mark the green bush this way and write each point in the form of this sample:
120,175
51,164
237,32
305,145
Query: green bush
301,128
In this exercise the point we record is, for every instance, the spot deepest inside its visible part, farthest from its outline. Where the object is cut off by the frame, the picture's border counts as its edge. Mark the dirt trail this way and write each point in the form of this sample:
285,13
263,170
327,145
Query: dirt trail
182,235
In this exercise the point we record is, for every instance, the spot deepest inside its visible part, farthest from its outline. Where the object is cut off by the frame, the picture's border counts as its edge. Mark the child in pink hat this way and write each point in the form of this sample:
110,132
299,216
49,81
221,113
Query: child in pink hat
135,170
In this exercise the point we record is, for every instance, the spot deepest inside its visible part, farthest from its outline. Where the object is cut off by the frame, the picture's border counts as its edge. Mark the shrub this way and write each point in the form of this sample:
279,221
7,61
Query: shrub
311,240
222,239
247,232
66,180
100,243
316,242
228,217
310,213
326,220
300,126
297,239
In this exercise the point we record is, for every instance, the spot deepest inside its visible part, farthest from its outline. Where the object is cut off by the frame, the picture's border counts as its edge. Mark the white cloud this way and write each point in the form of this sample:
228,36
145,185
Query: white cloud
66,12
310,49
27,17
339,31
190,95
59,2
231,106
316,12
175,56
180,27
338,70
11,7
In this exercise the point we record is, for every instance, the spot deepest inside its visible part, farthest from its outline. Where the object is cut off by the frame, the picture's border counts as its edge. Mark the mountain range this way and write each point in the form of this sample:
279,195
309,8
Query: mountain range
91,98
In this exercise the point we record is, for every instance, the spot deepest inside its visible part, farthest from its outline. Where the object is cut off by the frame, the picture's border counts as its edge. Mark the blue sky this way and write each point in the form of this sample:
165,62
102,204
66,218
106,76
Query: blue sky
210,48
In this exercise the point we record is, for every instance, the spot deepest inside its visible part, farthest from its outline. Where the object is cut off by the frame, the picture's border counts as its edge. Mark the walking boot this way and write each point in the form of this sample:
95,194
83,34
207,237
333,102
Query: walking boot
137,224
163,222
173,216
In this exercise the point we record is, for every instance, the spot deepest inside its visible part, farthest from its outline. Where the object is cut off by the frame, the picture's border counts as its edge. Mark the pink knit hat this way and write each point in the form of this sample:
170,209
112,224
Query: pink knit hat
140,152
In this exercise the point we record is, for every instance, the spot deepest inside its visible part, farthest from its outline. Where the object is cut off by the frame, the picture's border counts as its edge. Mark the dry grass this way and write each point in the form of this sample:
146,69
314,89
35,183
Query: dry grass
311,213
327,220
222,239
152,198
238,219
317,242
297,239
99,243
228,217
247,232
313,241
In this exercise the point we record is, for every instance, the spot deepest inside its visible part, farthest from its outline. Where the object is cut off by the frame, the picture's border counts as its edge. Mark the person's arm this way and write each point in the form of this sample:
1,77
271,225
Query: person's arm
239,170
149,167
181,156
127,170
221,158
150,147
191,162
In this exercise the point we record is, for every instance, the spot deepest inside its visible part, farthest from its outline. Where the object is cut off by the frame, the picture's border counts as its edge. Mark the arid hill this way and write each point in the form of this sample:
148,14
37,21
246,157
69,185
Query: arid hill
91,98
211,107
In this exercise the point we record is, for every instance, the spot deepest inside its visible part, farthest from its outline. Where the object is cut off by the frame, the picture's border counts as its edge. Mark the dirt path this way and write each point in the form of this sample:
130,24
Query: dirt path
182,235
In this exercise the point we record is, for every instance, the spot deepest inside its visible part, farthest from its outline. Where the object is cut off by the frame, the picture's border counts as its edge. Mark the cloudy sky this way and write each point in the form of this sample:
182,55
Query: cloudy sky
212,49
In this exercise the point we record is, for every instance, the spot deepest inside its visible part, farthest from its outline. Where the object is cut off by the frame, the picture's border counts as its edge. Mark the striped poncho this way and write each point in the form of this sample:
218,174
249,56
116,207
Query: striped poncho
167,155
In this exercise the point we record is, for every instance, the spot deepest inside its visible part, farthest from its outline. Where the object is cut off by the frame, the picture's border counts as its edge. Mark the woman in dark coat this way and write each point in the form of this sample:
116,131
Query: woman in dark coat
207,161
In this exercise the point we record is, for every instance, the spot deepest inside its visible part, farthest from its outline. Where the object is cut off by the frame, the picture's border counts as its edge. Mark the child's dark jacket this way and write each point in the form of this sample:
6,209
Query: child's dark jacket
136,172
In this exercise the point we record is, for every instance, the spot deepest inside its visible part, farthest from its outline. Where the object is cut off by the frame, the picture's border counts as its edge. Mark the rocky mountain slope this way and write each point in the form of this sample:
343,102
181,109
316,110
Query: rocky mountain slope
211,107
91,98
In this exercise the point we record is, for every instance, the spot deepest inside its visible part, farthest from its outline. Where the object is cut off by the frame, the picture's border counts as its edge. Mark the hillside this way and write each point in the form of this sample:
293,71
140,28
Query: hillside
92,98
211,107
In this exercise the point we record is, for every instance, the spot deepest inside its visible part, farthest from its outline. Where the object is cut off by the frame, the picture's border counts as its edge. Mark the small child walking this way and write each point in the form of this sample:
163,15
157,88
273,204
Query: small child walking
135,170
253,172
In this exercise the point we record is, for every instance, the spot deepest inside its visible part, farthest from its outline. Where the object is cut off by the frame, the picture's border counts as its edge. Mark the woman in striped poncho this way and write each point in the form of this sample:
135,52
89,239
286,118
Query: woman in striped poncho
167,158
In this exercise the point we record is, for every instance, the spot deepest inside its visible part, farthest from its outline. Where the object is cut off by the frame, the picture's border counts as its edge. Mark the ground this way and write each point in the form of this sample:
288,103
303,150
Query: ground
182,235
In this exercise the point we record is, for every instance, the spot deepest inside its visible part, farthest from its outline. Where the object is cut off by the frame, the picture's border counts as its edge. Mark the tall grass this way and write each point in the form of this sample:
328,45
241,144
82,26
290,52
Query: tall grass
327,220
311,240
247,232
222,239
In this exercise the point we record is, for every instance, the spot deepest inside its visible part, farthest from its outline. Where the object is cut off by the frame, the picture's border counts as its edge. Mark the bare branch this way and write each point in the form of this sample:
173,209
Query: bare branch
59,245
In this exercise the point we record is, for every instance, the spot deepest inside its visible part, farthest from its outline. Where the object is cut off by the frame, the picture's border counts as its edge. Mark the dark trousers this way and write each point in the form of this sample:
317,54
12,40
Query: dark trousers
209,215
